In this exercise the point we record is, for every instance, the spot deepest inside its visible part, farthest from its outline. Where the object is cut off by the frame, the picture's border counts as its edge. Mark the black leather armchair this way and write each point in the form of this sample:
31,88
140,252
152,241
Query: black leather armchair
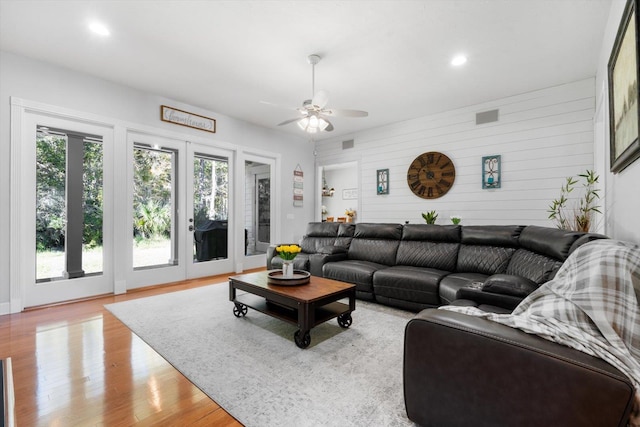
462,370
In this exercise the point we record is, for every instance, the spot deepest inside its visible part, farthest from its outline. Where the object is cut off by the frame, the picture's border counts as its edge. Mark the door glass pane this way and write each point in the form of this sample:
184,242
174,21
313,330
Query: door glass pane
210,207
69,204
154,190
264,209
257,207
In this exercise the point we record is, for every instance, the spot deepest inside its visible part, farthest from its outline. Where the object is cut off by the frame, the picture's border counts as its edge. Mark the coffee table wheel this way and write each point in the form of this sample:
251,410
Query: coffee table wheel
302,340
239,310
345,320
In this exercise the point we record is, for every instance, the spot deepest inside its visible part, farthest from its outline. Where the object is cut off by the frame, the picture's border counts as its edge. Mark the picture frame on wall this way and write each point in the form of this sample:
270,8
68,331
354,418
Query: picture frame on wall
382,181
349,194
622,72
491,172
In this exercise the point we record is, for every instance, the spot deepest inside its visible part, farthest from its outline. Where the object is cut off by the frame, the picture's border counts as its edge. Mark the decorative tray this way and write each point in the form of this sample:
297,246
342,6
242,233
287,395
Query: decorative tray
300,277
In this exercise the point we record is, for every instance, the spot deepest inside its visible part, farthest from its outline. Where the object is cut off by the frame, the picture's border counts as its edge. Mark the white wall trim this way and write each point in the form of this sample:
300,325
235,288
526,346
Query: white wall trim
15,242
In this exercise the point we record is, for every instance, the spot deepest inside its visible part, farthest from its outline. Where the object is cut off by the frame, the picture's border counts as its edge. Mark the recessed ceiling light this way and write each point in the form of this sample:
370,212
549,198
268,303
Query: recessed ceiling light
458,60
99,29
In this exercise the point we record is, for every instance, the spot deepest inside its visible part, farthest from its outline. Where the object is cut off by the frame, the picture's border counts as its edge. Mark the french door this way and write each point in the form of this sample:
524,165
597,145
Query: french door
181,222
66,209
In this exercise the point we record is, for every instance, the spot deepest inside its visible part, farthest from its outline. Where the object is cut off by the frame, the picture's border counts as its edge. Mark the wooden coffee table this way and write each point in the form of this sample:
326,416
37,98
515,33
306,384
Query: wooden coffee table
303,305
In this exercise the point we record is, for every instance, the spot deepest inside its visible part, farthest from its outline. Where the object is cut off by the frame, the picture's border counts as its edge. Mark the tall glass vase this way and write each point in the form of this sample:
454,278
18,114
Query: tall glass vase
287,268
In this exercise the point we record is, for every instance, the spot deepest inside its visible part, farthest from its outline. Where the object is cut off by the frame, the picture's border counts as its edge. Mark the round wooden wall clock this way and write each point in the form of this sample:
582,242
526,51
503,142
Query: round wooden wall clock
431,175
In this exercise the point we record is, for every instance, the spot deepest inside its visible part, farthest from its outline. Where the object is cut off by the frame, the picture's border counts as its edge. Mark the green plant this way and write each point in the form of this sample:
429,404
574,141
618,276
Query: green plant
152,220
578,216
430,217
455,219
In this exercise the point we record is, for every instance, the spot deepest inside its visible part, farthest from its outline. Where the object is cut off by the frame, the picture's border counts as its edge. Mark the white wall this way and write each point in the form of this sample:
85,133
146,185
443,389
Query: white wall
49,84
542,136
622,189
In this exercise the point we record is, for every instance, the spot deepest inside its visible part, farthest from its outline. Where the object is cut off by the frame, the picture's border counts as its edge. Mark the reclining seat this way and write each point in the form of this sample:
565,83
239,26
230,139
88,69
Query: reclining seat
317,236
373,247
485,251
541,252
426,254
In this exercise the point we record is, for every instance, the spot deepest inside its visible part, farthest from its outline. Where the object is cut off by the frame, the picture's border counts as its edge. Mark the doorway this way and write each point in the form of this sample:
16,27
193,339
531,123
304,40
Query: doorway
338,192
258,206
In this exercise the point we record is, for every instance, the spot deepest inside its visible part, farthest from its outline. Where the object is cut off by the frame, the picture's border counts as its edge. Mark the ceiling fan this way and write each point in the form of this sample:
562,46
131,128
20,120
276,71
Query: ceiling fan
314,116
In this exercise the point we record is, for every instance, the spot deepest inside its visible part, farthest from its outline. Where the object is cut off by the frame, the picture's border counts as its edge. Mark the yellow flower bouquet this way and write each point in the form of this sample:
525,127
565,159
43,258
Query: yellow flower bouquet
288,252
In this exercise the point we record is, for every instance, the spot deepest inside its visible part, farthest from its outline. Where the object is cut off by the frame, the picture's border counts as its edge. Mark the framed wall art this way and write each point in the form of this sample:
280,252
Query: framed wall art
184,118
349,194
623,92
382,181
491,172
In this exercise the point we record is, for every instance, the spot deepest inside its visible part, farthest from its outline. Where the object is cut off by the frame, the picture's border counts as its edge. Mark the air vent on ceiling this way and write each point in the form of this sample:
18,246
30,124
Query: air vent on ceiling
347,144
486,117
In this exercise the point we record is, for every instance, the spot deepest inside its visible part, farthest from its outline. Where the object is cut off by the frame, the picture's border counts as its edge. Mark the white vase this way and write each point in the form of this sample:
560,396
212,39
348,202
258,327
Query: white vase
287,268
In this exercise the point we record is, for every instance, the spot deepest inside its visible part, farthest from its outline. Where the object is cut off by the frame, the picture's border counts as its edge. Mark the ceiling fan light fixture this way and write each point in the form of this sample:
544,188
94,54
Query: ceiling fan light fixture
312,124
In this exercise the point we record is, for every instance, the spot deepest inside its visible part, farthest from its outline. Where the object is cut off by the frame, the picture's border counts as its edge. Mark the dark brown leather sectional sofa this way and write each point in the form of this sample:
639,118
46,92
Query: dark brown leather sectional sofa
463,370
418,266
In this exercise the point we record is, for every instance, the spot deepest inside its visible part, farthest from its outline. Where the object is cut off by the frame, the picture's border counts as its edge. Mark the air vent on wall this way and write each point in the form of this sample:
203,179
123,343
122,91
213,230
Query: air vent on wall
347,144
486,117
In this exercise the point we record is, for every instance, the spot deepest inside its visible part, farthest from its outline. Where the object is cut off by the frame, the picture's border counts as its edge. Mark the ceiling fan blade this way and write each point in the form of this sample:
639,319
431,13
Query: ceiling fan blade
320,99
334,112
286,122
329,128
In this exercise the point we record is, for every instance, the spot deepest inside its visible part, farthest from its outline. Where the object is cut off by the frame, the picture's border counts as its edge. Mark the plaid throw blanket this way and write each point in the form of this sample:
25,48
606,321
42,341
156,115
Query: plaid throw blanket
592,305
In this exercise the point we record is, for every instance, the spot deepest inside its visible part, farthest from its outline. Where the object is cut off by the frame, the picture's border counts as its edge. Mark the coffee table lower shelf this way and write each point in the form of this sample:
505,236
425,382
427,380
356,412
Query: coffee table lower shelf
289,314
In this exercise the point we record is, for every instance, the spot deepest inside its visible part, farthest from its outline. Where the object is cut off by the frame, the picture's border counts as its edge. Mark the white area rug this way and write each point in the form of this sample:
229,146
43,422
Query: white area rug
252,368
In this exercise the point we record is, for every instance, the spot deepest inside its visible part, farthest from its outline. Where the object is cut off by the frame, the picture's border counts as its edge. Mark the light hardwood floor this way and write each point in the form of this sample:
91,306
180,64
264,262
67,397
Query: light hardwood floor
75,364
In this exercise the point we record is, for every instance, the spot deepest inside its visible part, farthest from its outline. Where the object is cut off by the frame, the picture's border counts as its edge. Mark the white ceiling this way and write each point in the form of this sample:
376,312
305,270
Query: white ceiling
390,58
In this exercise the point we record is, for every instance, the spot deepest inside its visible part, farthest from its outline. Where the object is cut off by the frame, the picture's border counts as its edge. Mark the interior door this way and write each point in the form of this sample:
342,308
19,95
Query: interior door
67,205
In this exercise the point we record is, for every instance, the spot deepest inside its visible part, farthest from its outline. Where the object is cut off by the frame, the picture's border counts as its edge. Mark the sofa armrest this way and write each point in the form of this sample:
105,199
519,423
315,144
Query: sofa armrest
480,297
465,370
317,261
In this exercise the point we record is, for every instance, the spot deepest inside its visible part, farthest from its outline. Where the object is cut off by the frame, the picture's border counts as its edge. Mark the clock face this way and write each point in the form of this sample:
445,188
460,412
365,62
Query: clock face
431,175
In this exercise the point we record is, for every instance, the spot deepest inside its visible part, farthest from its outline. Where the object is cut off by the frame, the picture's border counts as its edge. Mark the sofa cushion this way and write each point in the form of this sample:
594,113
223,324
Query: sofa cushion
483,259
365,230
419,285
492,235
376,243
345,234
431,233
312,245
318,234
536,267
357,272
441,256
551,242
507,284
450,284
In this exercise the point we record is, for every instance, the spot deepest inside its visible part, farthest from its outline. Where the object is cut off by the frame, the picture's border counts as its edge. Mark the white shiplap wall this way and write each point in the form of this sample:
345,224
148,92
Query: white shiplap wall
542,136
